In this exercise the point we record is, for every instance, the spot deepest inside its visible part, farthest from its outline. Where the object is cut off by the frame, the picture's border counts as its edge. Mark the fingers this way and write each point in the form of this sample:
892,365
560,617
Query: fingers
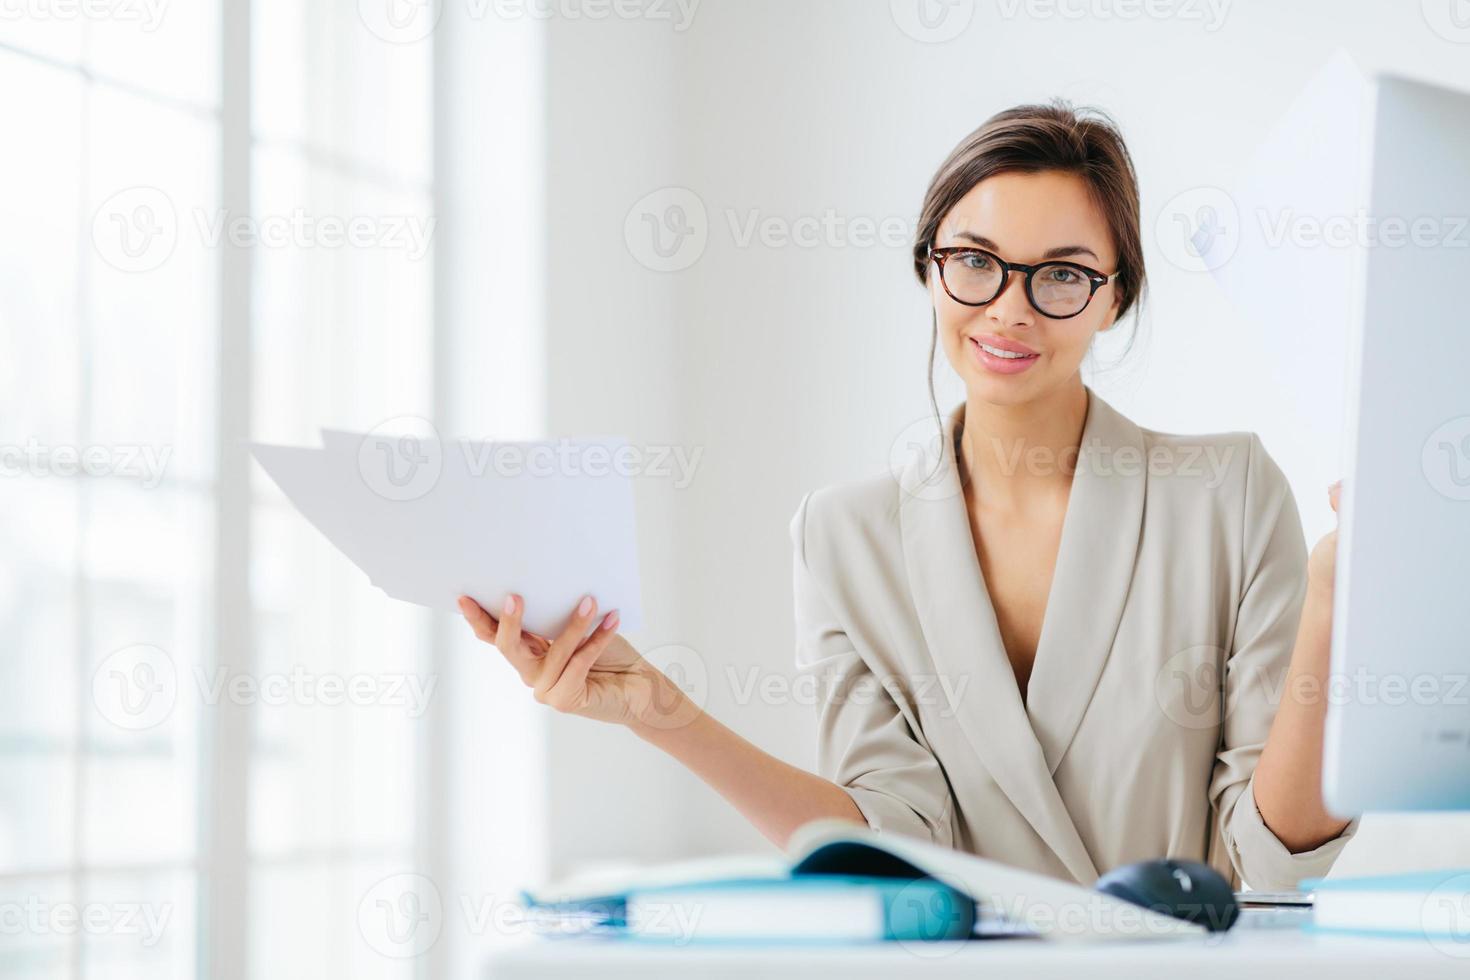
1334,495
543,664
574,677
508,637
565,645
480,621
522,658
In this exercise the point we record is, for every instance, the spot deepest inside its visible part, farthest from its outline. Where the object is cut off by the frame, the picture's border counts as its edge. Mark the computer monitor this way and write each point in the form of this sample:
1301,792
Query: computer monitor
1398,717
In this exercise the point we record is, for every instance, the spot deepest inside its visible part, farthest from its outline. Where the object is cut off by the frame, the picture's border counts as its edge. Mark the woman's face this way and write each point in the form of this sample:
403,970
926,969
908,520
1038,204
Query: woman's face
1025,218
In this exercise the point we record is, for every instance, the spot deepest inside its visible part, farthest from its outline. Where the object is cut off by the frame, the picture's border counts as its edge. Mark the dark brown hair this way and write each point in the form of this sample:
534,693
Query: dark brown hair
1034,138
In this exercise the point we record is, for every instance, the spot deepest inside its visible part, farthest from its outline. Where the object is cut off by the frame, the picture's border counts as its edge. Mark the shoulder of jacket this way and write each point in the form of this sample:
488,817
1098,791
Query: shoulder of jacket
862,506
1234,462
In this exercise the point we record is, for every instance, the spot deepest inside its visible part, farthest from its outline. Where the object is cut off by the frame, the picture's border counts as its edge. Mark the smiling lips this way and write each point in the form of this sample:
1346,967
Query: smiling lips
1002,356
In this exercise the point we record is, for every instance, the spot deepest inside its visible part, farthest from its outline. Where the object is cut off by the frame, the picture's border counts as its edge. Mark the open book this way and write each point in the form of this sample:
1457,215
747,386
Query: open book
898,876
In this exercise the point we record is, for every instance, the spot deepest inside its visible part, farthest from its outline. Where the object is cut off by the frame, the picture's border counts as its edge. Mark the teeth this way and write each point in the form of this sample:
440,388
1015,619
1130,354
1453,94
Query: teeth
1001,353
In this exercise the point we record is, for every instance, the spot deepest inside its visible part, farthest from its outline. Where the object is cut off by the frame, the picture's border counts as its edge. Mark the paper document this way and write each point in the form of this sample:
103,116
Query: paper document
428,521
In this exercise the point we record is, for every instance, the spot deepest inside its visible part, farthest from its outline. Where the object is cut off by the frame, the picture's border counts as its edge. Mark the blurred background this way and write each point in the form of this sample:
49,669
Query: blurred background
222,752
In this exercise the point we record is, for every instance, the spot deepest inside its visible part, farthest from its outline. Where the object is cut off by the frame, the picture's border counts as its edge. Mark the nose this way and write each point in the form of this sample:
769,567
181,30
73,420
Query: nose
1011,307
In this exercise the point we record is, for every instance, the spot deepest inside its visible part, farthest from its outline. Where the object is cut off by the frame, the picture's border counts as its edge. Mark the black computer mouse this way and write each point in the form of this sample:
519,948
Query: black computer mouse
1186,890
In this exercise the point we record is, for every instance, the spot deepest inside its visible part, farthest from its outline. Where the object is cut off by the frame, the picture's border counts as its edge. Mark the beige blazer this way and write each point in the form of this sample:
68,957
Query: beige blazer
1167,635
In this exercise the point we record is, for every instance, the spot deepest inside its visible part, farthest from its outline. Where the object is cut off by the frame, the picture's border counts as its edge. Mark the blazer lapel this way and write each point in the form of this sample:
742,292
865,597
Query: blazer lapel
1094,570
961,632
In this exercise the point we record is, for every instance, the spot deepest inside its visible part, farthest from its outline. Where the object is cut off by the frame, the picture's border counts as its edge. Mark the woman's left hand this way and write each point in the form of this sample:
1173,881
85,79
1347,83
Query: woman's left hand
1322,563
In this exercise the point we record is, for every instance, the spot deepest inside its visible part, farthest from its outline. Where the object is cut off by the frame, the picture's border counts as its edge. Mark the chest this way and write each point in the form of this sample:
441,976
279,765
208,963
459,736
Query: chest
1018,559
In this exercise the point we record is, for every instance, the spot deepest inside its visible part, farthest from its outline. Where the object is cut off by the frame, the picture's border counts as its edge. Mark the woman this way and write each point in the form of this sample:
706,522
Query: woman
1062,641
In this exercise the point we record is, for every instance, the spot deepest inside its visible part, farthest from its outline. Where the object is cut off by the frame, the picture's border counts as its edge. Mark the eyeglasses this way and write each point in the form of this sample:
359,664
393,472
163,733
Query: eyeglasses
975,277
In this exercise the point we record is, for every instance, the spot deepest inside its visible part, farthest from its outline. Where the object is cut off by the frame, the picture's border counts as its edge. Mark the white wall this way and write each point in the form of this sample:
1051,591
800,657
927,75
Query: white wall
611,367
791,367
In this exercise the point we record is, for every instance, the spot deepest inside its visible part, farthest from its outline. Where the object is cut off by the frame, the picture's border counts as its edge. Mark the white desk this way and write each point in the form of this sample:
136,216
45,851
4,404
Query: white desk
1248,952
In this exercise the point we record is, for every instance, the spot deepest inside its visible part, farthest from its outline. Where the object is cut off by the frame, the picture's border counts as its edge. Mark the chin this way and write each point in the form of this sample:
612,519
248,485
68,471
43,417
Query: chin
1000,390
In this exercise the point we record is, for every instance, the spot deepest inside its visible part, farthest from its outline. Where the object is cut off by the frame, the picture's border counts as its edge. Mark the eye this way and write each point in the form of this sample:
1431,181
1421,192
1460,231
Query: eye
974,260
1062,276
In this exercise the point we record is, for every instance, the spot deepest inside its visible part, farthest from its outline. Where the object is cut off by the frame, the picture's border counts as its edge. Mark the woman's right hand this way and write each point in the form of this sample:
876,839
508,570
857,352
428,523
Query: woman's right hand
598,675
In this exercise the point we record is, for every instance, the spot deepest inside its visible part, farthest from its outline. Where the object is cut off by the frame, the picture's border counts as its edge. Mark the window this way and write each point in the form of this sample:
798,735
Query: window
342,337
106,477
137,206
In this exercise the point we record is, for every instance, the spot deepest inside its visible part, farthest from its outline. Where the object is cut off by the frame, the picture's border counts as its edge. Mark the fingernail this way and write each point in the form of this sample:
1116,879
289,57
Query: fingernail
510,606
610,621
585,606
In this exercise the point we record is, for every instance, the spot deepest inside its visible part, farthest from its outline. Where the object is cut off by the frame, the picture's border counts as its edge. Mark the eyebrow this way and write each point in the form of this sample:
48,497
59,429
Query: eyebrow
1060,252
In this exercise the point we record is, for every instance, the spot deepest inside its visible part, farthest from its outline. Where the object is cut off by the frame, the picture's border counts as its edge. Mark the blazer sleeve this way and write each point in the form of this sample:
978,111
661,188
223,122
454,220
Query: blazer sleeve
1273,587
867,732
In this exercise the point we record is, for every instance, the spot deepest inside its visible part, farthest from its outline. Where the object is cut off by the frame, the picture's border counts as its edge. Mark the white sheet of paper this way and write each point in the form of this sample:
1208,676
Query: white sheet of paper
428,521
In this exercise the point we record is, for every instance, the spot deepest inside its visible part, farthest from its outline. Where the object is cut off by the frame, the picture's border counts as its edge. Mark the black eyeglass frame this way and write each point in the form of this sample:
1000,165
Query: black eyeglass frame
1096,279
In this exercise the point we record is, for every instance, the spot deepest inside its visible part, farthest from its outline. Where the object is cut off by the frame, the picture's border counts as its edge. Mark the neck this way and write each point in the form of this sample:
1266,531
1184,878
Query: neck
1024,453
